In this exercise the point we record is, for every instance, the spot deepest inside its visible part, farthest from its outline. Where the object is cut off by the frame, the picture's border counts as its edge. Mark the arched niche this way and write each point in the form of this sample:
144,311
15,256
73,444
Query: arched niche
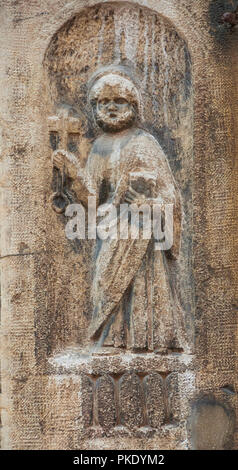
158,58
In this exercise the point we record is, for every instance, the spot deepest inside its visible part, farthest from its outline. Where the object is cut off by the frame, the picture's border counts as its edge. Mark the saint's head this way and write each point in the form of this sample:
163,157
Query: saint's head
115,101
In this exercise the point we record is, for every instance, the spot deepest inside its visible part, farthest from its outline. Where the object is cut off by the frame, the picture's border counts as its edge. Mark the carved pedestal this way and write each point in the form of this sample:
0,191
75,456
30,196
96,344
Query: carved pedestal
118,402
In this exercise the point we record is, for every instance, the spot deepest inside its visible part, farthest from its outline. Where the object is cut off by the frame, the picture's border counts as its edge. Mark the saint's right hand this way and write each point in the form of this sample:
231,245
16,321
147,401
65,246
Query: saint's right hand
65,162
59,160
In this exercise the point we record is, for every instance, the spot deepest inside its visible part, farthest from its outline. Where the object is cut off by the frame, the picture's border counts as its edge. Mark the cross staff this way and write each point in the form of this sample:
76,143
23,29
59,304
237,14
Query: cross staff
64,125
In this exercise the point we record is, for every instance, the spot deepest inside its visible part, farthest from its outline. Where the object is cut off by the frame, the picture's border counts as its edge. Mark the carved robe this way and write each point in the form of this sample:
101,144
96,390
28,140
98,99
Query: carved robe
135,305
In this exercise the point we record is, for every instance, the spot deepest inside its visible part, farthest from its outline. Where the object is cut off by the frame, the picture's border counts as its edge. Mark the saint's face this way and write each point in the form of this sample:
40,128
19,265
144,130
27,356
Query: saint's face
113,111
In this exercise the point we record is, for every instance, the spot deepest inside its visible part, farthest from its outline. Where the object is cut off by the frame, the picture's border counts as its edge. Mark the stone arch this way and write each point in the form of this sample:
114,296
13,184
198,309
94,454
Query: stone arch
179,15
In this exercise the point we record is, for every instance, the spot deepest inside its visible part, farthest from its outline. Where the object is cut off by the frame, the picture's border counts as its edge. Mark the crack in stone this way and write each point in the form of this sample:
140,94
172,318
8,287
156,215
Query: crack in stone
18,20
21,254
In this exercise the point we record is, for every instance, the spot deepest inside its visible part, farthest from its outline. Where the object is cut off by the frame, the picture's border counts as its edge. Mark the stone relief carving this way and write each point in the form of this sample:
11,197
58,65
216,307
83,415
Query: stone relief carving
132,400
134,305
120,127
142,301
60,127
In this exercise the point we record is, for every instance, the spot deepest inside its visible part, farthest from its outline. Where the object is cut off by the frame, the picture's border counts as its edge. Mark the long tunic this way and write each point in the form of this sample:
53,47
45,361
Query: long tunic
134,304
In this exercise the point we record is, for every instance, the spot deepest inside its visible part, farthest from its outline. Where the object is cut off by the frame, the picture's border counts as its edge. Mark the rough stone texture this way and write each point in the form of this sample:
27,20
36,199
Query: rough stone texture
49,50
138,388
212,426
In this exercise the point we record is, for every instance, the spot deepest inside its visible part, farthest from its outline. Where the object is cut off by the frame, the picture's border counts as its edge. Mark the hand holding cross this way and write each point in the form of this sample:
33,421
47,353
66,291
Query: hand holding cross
65,162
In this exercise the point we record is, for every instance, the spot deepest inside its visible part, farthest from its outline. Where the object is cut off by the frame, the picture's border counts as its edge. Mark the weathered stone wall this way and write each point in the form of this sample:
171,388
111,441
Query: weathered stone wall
49,51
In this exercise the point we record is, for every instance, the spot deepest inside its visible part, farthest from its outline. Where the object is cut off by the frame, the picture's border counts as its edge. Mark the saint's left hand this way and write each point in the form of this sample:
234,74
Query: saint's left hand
133,197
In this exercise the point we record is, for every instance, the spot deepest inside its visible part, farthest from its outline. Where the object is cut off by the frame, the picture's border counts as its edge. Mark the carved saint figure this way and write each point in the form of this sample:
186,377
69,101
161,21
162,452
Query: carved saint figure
135,304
